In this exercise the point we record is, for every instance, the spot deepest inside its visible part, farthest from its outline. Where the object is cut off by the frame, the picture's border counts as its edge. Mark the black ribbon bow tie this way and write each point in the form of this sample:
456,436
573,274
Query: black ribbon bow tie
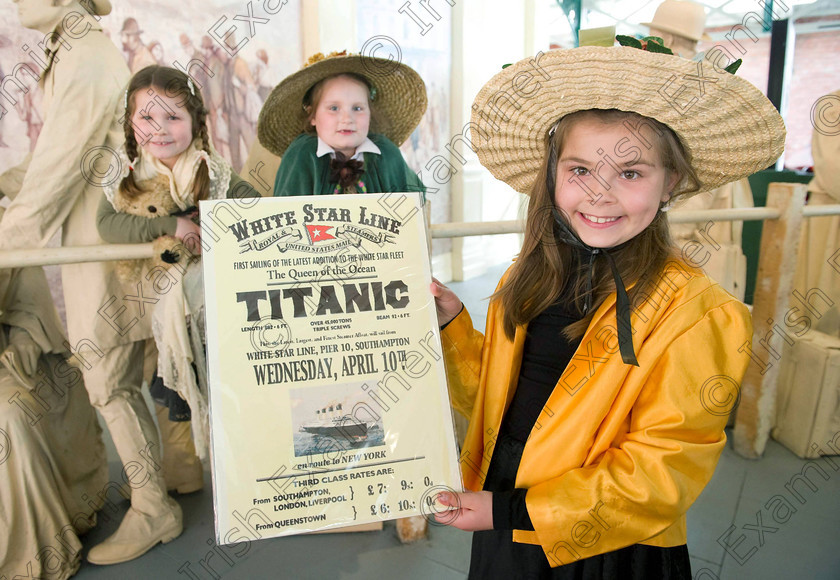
345,171
622,302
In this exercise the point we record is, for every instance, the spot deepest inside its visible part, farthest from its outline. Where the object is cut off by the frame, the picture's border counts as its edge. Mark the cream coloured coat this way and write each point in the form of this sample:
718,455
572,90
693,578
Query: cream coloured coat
52,459
58,186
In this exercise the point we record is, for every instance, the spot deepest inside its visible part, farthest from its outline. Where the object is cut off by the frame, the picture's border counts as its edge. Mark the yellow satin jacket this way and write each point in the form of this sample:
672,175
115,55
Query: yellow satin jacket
618,453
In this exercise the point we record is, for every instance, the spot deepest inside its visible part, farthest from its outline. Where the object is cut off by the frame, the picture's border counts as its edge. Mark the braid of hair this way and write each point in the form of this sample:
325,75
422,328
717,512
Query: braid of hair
130,141
202,178
201,119
128,186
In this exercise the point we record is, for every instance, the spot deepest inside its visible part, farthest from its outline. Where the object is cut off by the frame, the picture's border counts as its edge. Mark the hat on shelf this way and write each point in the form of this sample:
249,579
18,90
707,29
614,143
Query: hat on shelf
397,91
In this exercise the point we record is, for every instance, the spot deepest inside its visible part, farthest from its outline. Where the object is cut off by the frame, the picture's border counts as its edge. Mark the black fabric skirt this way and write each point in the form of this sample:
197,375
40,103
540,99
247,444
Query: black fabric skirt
496,555
179,410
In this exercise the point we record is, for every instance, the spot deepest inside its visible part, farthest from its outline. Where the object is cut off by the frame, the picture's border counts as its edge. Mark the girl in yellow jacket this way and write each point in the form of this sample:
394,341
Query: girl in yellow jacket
599,392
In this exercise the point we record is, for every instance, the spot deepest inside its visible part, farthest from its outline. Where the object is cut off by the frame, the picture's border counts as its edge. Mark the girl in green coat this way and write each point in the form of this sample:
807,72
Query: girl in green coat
337,124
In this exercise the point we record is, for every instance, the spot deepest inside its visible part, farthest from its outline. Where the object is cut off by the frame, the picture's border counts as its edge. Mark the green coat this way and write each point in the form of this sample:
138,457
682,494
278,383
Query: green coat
303,173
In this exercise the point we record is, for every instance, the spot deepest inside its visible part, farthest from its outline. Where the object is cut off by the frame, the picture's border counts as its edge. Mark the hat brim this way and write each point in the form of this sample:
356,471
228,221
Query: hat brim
100,7
400,98
727,125
672,30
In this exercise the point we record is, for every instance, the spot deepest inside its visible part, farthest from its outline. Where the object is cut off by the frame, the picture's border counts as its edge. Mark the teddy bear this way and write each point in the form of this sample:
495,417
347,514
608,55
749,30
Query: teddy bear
154,200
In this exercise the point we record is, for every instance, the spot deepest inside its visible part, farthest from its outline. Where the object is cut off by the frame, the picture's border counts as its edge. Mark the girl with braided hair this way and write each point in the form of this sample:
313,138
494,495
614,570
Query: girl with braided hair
168,166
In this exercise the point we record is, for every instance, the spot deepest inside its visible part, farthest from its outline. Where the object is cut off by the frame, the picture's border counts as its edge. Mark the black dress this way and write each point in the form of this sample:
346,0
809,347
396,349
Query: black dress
494,553
179,409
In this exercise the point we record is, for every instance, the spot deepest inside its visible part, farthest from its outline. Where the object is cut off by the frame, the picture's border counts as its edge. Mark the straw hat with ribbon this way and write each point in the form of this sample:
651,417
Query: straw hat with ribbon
727,126
397,92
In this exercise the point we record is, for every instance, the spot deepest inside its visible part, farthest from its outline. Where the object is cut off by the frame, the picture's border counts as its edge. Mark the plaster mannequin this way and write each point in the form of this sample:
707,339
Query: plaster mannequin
682,46
818,264
680,24
139,55
214,95
59,186
48,488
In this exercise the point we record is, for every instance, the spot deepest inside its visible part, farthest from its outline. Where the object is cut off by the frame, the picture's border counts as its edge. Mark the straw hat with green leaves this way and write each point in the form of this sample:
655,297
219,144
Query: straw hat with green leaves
726,124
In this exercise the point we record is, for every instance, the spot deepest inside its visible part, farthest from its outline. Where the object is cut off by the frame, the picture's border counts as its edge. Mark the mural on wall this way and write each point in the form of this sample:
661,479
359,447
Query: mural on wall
235,61
430,54
234,80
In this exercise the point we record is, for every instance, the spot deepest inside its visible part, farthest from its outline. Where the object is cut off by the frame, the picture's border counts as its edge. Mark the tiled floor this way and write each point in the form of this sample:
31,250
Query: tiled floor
778,532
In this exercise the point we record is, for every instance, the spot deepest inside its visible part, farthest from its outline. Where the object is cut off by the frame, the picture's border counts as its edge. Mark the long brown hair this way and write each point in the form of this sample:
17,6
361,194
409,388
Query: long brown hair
176,85
547,267
316,91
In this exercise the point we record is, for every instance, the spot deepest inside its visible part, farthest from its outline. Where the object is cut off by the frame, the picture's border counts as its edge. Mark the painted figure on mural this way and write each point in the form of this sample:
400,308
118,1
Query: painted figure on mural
28,109
189,53
241,103
138,54
201,72
156,49
214,95
57,188
263,75
4,42
188,49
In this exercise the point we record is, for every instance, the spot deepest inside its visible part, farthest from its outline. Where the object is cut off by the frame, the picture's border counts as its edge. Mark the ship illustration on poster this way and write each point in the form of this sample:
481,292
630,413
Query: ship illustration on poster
321,329
331,422
341,420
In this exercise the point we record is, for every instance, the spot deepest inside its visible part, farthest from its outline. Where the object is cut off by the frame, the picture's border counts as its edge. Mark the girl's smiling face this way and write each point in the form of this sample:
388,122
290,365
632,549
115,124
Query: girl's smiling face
162,126
342,115
606,207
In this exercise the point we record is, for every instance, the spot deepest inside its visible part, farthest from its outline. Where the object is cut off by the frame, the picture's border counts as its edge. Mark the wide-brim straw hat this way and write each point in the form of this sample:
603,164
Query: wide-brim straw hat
727,125
681,17
400,97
